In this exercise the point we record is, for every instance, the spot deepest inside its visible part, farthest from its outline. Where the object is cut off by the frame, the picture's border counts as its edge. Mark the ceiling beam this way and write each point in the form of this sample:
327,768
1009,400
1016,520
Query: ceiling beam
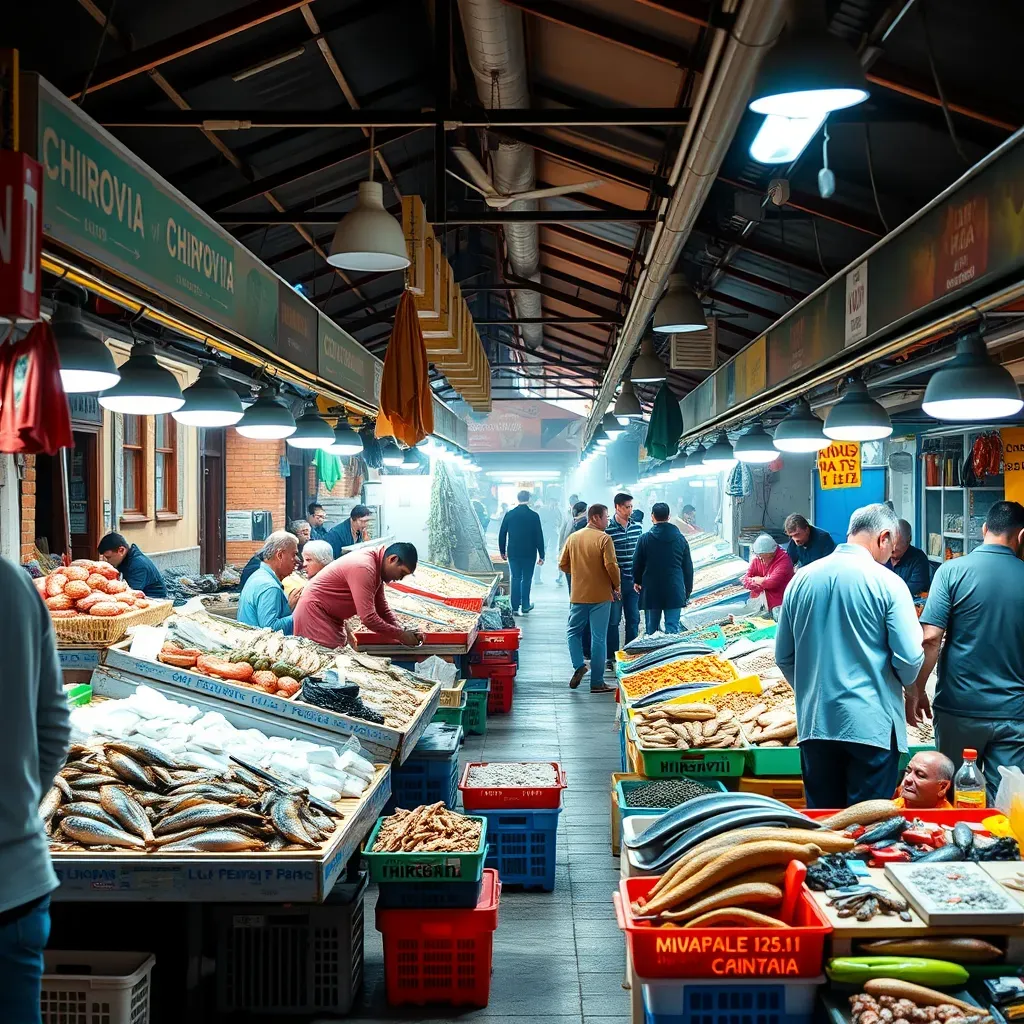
727,239
695,12
764,283
583,238
584,286
747,307
147,58
456,219
554,320
522,284
601,269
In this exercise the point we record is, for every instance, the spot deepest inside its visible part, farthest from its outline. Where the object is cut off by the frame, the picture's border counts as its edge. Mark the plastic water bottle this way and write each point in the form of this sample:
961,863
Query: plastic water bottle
969,783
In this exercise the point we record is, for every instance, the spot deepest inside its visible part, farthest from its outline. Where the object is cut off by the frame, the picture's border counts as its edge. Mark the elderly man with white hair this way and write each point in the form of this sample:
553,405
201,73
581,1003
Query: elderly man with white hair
849,643
263,601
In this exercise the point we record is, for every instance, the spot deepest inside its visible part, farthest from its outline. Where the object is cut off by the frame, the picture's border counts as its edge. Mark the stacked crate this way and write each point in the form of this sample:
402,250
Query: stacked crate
494,656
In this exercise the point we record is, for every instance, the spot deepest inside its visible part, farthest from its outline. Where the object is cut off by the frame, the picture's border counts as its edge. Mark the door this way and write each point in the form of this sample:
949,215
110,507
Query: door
212,487
81,511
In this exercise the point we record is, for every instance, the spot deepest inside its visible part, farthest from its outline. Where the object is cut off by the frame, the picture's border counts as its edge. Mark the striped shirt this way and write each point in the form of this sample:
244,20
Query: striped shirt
625,540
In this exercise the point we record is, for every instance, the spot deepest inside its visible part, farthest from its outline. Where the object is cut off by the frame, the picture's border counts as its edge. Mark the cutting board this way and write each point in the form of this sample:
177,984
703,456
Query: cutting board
904,878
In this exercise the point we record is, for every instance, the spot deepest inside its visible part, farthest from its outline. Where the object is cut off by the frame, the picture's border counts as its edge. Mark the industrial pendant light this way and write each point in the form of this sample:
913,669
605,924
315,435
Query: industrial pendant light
612,427
346,440
145,387
391,455
809,71
627,405
857,416
311,430
267,419
695,460
972,386
368,238
210,401
679,309
755,446
601,438
720,455
86,364
800,431
647,368
410,460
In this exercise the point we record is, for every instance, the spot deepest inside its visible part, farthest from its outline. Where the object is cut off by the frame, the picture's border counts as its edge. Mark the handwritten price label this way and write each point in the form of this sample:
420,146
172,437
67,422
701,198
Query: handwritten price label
839,465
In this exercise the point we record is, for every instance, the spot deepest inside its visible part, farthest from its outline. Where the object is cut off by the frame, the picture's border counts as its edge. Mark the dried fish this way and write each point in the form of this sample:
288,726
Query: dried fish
217,841
118,804
90,832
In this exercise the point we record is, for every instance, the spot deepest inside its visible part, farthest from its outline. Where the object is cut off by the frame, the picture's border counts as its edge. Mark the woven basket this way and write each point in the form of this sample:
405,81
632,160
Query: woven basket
99,631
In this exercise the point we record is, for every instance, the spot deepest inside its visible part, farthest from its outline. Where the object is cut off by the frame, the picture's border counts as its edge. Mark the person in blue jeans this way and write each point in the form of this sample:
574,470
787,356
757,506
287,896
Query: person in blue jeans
662,571
625,534
34,738
521,543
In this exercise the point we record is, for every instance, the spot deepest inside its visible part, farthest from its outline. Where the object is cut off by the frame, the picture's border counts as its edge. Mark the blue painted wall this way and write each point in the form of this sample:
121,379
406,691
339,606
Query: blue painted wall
832,509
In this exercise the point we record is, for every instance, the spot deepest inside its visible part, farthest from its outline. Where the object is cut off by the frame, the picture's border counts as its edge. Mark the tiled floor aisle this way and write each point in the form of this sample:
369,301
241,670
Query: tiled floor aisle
558,957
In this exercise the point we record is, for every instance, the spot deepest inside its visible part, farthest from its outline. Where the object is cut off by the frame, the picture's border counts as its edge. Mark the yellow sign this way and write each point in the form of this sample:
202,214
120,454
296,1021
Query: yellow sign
839,465
1013,462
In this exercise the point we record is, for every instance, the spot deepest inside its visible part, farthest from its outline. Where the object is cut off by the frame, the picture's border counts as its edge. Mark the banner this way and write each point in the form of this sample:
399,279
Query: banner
1013,463
839,465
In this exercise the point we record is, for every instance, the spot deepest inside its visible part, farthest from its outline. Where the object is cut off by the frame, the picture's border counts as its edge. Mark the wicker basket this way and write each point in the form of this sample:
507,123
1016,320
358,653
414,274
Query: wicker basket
100,631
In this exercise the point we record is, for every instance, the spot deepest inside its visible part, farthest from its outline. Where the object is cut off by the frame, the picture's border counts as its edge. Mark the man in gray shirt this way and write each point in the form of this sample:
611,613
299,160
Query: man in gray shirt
977,604
34,733
849,641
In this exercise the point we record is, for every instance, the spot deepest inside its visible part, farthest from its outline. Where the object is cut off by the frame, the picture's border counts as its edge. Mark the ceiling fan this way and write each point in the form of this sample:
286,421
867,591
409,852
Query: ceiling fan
481,182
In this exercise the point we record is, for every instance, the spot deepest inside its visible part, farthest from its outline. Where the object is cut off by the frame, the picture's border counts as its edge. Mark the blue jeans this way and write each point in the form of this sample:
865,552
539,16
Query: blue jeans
653,617
629,609
596,617
586,628
521,573
21,964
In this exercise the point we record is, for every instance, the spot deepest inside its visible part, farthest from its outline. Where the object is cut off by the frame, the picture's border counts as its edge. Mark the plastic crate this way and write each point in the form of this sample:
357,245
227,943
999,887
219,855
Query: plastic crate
699,1001
521,846
474,719
662,763
441,956
773,760
481,798
499,700
468,604
428,895
625,788
430,867
83,987
665,952
490,669
451,715
431,772
451,696
789,791
292,958
495,646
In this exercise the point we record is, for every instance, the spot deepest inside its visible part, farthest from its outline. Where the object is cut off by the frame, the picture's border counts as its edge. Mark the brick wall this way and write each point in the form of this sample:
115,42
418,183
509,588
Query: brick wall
28,509
254,481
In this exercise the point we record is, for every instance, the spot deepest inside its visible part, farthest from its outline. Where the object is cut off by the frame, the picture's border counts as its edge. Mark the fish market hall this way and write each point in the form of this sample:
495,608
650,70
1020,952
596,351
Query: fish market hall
512,511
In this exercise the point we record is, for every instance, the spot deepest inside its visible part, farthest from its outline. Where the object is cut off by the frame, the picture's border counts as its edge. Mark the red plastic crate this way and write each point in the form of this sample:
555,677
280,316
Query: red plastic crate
371,639
933,816
492,798
733,953
468,604
497,640
489,669
441,956
499,700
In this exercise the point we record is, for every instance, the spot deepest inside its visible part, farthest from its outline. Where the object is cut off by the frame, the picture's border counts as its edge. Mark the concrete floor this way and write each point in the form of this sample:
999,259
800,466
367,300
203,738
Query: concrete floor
558,956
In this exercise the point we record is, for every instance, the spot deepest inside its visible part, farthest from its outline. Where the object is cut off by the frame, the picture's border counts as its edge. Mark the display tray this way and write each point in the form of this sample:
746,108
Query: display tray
365,639
79,656
717,573
285,877
382,742
666,763
474,598
969,894
102,631
837,1007
773,761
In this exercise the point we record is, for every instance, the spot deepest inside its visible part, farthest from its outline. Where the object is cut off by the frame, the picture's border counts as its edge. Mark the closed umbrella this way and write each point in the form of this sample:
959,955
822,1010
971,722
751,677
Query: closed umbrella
406,410
665,427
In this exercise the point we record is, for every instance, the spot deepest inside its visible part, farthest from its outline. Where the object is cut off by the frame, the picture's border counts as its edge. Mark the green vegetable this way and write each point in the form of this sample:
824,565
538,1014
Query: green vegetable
282,668
857,969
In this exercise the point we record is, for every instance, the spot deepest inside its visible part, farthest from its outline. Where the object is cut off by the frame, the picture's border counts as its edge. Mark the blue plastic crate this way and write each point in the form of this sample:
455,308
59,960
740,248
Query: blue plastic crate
431,772
690,1001
429,895
521,846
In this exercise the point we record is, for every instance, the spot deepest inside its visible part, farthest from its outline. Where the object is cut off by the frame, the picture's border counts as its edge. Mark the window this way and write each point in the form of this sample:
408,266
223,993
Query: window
133,457
165,463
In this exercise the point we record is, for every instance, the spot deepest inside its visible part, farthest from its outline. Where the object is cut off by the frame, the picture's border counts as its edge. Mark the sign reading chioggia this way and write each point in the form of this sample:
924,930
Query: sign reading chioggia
839,465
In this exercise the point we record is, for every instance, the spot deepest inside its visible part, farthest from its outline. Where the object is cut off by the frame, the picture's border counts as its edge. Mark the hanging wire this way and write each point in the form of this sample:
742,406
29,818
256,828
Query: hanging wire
99,50
938,86
817,246
871,175
373,158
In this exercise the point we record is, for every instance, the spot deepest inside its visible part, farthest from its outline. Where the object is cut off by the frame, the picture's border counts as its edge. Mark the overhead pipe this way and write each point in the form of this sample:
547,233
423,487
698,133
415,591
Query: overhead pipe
726,81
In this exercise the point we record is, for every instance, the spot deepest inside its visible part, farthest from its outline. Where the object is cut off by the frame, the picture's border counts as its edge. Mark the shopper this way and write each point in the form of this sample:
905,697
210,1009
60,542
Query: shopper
35,743
687,521
354,585
300,528
521,542
909,563
848,641
927,783
263,602
354,530
588,561
662,571
139,570
249,568
769,572
317,519
575,520
624,534
977,604
806,543
314,556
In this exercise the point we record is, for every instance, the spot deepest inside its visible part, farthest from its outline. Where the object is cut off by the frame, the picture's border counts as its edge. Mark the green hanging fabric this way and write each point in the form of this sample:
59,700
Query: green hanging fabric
328,468
666,425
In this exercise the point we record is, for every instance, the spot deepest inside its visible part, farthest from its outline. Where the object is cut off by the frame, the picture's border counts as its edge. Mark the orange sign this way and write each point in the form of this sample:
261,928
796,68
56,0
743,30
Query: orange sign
839,465
1013,462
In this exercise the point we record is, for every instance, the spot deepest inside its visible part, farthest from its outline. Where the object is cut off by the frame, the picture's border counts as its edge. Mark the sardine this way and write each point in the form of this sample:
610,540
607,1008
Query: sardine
143,753
92,795
285,817
65,789
49,804
93,781
248,778
84,809
130,770
212,789
205,815
177,837
117,803
90,832
219,840
163,776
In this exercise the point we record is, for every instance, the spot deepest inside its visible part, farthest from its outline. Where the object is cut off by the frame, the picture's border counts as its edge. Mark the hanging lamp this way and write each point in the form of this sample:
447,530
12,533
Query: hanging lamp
972,386
391,455
601,438
612,427
857,416
210,401
695,460
755,446
801,430
720,455
627,405
311,430
346,440
145,388
648,367
86,364
679,310
267,419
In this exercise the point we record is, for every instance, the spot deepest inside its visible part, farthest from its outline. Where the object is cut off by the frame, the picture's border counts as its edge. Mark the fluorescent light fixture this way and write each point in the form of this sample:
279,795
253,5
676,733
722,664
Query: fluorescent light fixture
801,431
311,431
346,440
210,401
86,364
266,65
267,419
720,455
755,446
612,427
145,387
627,405
368,238
857,416
679,310
780,140
648,367
523,474
391,455
971,386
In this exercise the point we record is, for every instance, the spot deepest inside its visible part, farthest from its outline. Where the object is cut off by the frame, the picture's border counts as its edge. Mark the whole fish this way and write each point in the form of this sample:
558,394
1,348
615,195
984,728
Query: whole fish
213,789
65,789
144,753
162,775
205,814
49,804
285,817
92,795
130,770
219,840
250,779
93,781
84,809
177,837
117,803
90,832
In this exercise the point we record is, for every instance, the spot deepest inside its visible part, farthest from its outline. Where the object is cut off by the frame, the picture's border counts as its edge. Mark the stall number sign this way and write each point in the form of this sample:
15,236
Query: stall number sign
1013,462
839,465
732,955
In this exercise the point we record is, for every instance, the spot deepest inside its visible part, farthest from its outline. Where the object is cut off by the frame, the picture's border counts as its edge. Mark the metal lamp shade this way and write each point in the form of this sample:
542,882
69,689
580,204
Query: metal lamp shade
346,440
627,405
410,460
800,431
647,368
266,419
311,431
612,427
86,364
145,387
391,455
720,455
971,386
695,460
601,438
368,238
857,416
210,402
679,310
755,446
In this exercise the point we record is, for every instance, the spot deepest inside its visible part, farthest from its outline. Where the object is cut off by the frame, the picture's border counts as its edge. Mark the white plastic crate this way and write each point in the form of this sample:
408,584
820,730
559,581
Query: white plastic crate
95,987
761,1000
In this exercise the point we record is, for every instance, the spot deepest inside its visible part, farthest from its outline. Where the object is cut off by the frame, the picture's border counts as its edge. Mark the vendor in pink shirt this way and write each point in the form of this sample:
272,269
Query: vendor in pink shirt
354,585
770,571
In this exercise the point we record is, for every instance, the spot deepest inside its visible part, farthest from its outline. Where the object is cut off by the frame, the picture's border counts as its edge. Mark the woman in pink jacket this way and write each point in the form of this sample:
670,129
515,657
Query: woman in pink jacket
770,571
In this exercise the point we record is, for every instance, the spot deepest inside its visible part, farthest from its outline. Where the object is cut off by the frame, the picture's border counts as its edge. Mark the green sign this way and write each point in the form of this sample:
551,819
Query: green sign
102,202
343,361
297,328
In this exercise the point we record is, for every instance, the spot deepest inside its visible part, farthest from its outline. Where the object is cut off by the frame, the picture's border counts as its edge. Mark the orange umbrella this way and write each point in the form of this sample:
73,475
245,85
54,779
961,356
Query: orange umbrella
406,407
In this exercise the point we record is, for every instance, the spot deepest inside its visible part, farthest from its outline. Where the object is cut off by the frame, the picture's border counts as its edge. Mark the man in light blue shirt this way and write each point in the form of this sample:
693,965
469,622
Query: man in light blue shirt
263,602
849,642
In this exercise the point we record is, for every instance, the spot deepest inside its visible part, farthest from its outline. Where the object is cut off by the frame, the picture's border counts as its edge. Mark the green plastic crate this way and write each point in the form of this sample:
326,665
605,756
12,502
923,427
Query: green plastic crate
451,716
673,764
773,760
911,751
474,719
624,787
426,867
78,695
